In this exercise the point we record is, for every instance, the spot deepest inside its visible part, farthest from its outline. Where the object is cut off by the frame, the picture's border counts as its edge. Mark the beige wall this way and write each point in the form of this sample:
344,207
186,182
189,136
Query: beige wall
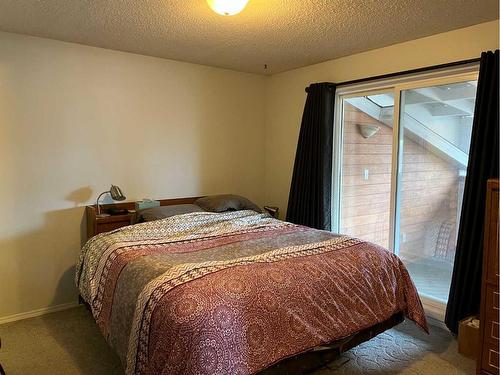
74,119
286,97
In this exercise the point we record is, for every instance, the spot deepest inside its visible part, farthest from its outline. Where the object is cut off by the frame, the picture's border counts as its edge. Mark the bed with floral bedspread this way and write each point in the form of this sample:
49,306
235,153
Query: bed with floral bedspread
233,293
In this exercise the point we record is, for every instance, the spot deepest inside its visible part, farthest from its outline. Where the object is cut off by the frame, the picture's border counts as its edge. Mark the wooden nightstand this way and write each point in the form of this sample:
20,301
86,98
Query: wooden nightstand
273,211
96,225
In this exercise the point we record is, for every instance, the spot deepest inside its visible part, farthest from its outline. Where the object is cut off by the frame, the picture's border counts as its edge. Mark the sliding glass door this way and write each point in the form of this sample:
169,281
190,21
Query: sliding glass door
401,154
436,125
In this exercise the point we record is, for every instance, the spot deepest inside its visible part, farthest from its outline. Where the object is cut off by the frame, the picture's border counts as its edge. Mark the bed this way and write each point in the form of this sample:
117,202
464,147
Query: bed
237,292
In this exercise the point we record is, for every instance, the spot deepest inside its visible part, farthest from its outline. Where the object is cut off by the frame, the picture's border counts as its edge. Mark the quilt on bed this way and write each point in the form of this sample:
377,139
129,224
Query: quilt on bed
232,293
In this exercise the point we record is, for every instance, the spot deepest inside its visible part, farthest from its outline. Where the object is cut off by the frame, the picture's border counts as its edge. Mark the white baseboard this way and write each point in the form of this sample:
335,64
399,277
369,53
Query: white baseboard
37,312
434,309
435,312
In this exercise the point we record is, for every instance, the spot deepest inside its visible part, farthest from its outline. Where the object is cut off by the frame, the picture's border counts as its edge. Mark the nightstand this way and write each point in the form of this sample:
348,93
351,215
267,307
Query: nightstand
273,211
96,225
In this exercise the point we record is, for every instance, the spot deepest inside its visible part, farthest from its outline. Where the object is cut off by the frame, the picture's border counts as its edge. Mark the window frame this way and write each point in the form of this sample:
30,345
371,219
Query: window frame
395,85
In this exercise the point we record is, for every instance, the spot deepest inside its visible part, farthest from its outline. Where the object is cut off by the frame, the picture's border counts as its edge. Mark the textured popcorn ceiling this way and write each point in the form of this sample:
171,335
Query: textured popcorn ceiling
284,34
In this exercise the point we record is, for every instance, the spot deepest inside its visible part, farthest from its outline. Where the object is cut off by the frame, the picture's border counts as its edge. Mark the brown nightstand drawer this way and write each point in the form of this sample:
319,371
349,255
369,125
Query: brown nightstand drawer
102,224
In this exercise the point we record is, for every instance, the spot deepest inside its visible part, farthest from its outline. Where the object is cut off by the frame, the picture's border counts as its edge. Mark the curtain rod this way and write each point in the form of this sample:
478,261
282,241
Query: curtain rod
406,72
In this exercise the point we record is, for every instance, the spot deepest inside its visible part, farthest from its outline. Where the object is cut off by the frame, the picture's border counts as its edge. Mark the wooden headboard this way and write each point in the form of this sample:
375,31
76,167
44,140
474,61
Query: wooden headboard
96,225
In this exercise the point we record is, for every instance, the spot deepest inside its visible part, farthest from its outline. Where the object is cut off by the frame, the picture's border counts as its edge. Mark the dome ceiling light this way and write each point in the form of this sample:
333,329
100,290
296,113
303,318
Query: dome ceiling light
227,7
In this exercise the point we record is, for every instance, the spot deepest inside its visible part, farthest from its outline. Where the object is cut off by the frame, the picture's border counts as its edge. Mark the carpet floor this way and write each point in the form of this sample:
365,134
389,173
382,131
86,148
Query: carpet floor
69,342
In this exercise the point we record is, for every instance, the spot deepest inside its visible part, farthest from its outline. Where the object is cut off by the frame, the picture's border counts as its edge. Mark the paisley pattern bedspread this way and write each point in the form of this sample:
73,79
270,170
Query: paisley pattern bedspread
233,293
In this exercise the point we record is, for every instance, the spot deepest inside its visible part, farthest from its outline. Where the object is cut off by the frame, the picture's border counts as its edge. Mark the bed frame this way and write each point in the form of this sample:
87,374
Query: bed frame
317,358
303,363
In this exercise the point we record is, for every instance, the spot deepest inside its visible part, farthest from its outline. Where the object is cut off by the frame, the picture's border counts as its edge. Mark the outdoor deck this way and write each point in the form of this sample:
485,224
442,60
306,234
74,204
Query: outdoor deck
432,276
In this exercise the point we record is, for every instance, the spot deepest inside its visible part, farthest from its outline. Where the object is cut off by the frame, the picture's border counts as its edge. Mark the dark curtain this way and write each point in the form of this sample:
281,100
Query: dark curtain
309,202
483,164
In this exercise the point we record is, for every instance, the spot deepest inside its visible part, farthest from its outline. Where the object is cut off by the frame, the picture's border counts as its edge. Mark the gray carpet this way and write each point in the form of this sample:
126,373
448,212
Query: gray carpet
68,342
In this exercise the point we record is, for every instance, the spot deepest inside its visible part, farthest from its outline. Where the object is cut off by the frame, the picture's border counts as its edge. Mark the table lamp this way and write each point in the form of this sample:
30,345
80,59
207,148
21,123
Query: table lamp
116,194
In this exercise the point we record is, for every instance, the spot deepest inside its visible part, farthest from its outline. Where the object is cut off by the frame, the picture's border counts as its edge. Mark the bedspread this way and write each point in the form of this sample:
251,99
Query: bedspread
232,293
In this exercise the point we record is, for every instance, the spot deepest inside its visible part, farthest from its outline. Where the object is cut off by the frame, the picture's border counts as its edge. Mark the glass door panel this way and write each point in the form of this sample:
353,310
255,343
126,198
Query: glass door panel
435,132
366,167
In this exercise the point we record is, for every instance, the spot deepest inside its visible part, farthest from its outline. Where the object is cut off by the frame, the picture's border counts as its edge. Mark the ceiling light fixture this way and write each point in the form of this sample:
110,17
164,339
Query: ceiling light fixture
227,7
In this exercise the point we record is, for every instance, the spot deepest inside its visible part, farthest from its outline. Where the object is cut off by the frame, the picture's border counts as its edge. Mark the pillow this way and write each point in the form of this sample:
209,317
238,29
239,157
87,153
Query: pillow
227,202
162,212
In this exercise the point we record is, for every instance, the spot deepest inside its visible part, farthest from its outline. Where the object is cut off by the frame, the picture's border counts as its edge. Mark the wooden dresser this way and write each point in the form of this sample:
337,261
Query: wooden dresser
488,361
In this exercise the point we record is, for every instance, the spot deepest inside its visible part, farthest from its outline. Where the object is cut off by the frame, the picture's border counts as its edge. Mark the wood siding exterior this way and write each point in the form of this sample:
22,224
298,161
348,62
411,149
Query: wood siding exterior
429,188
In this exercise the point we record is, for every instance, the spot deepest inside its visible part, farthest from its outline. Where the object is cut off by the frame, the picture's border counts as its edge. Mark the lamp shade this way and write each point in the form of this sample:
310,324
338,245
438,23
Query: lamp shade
227,7
116,193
